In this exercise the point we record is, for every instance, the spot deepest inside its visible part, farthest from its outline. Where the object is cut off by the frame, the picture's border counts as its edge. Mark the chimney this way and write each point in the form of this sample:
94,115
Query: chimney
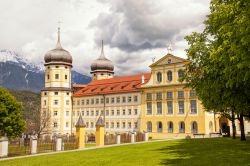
142,79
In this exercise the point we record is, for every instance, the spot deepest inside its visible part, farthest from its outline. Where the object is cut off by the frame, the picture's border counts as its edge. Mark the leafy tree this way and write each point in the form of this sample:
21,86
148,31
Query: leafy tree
220,67
11,121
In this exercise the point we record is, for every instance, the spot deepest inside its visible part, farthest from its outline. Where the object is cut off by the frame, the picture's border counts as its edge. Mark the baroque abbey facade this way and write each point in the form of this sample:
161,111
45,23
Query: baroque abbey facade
156,102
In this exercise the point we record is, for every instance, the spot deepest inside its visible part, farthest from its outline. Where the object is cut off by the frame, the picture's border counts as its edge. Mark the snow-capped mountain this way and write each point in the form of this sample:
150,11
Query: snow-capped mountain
18,73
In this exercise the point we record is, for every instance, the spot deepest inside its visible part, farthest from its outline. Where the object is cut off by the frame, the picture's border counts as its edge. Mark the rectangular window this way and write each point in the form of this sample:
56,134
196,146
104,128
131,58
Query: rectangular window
124,99
181,107
78,113
107,112
107,100
159,108
78,102
149,96
135,98
55,125
118,99
158,95
124,112
96,113
129,112
97,101
192,93
193,106
112,125
55,102
107,125
123,125
66,77
87,124
82,102
112,100
129,125
117,112
67,102
48,76
135,111
55,113
87,101
82,113
149,108
180,94
92,124
112,112
170,107
129,99
118,125
135,125
102,100
87,113
56,93
92,101
44,102
92,113
67,124
67,113
56,76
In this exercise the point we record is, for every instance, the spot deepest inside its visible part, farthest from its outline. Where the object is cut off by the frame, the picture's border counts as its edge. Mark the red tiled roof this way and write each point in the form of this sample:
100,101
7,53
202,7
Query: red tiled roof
79,85
124,84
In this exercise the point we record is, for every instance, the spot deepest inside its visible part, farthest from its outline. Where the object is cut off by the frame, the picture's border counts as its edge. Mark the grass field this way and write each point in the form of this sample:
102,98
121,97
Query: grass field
190,152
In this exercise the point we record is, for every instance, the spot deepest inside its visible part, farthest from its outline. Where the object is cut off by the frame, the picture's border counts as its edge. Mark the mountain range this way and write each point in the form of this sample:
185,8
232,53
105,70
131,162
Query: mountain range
18,73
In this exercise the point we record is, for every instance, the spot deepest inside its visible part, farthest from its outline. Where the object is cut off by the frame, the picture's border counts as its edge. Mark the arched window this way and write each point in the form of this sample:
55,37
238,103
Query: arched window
181,127
159,127
170,76
170,127
210,126
194,127
159,77
180,73
149,126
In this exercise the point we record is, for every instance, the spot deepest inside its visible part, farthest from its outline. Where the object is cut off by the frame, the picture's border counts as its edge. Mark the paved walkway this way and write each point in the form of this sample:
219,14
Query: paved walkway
83,149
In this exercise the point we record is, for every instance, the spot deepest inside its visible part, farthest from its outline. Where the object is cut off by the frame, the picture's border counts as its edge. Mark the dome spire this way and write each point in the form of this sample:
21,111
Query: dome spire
58,44
102,52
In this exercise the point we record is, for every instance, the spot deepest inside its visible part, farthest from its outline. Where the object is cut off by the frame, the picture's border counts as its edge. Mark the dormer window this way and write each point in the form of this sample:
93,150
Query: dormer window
169,61
159,77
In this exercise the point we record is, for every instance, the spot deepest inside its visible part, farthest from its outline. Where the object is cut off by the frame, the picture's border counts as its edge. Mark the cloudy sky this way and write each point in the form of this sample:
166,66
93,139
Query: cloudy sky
134,31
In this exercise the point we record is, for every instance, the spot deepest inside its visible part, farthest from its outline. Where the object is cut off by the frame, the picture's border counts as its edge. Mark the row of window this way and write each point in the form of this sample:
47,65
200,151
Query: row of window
180,95
55,93
108,100
169,75
56,102
56,76
108,112
181,107
170,127
111,125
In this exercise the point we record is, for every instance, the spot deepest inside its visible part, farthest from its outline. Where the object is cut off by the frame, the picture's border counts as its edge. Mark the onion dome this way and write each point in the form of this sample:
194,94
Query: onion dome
58,55
102,63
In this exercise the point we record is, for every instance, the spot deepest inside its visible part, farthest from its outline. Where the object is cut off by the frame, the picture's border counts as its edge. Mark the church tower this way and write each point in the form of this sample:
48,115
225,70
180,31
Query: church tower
56,100
102,68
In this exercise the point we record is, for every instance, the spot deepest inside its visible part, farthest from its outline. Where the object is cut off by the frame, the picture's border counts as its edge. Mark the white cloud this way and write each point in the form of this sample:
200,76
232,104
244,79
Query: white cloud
133,31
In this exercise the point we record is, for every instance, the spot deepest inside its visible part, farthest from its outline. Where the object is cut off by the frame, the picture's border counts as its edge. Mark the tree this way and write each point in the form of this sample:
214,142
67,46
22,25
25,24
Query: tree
11,121
220,67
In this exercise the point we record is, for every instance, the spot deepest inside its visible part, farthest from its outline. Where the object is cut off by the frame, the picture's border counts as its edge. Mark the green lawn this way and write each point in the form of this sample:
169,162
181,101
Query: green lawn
217,151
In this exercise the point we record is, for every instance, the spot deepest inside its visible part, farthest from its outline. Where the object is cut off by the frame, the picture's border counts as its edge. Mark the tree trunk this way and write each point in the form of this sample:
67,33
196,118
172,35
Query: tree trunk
233,125
242,130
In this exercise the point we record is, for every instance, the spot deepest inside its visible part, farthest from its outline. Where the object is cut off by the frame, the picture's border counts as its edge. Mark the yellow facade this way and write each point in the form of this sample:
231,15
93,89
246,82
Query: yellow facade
80,133
99,136
169,109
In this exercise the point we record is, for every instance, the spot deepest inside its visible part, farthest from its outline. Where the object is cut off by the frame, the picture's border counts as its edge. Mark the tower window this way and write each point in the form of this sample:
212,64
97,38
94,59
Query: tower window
57,76
45,93
56,93
48,76
55,102
66,77
57,66
66,67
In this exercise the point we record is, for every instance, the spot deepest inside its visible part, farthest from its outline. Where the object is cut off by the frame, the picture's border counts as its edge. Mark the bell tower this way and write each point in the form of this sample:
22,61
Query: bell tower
102,67
56,103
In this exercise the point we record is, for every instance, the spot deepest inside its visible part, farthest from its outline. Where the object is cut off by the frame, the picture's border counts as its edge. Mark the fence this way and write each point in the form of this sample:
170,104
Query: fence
46,145
70,142
109,139
18,147
139,137
125,138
